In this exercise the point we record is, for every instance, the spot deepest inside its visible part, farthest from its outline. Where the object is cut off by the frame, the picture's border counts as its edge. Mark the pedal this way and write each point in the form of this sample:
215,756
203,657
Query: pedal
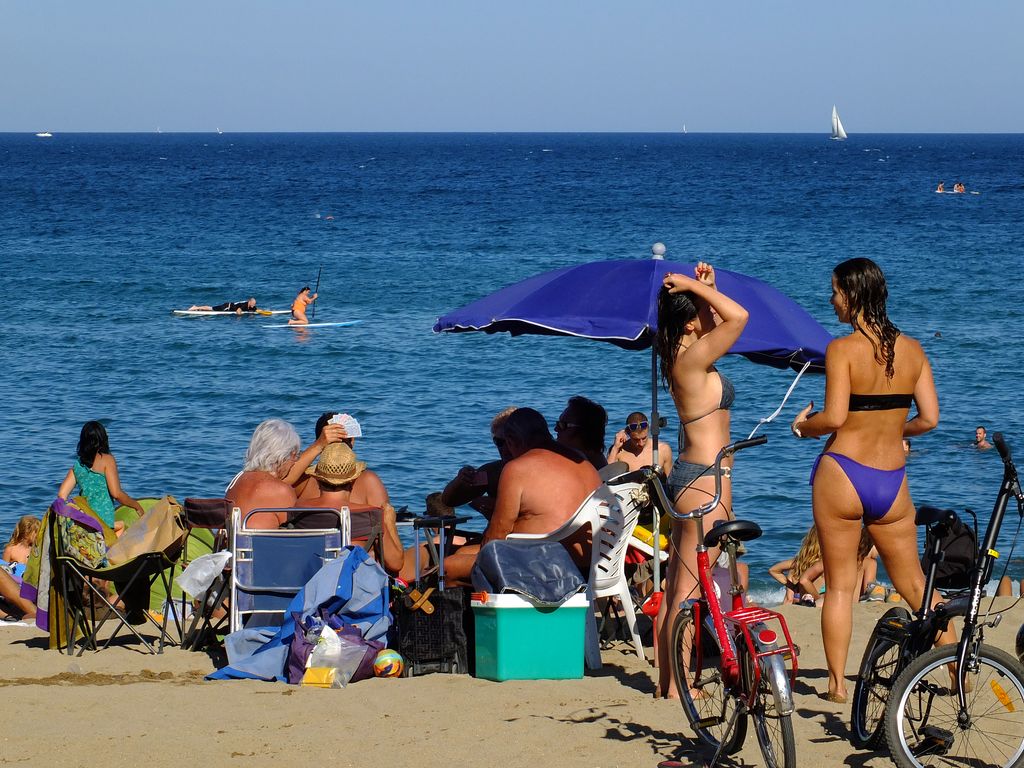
420,601
934,741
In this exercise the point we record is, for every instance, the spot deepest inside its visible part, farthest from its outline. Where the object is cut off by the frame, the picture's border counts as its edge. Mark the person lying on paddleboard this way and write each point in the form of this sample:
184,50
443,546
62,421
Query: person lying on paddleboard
302,301
228,306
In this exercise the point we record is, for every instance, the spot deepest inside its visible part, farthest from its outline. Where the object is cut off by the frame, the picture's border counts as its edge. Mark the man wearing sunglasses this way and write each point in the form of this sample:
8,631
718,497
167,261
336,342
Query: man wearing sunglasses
634,446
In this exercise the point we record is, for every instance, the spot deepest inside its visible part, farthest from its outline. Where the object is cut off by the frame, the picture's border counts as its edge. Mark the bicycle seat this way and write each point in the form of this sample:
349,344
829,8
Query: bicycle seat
934,516
741,530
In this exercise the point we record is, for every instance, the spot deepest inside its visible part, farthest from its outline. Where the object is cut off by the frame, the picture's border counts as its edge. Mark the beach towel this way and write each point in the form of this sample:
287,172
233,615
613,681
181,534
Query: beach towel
541,571
352,587
37,584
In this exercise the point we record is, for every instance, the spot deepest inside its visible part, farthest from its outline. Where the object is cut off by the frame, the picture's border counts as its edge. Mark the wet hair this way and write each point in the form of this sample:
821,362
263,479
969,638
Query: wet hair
325,417
273,443
498,422
527,427
304,288
675,310
92,442
863,287
636,416
981,428
592,418
25,530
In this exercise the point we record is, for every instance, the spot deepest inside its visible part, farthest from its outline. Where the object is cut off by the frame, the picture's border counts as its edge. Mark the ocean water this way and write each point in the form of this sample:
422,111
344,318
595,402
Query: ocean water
102,235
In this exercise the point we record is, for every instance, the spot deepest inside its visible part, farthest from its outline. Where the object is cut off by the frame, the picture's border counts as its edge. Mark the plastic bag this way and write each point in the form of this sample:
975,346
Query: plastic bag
339,653
201,572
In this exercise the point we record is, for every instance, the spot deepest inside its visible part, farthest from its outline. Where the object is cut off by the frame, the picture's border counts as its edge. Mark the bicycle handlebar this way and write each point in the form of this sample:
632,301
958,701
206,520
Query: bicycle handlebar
726,452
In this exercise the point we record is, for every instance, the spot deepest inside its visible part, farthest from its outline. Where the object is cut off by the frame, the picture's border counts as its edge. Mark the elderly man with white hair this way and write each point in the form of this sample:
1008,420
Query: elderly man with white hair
273,450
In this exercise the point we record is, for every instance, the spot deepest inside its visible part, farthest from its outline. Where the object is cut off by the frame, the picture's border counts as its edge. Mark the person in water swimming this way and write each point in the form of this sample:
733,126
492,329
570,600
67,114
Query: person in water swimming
941,187
697,324
302,301
872,378
238,307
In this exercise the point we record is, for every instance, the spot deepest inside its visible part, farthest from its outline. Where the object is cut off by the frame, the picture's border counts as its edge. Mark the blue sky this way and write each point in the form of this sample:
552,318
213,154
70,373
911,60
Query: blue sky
527,65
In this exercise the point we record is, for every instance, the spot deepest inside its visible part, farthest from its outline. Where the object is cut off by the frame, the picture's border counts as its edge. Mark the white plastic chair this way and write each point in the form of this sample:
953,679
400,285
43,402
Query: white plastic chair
608,566
611,522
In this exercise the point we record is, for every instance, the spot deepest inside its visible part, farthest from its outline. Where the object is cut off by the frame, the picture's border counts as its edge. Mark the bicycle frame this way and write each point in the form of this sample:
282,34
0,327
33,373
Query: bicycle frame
746,621
973,631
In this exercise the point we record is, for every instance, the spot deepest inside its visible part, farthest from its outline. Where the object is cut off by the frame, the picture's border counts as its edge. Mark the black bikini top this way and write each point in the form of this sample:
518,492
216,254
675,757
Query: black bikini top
728,398
880,402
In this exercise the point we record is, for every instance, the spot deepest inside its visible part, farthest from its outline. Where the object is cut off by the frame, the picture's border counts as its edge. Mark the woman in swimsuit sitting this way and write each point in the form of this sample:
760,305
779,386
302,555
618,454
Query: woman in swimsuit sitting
872,377
696,326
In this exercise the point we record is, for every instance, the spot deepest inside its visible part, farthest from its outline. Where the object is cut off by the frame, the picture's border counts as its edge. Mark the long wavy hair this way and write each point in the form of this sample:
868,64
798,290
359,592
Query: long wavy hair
810,551
863,286
675,310
92,441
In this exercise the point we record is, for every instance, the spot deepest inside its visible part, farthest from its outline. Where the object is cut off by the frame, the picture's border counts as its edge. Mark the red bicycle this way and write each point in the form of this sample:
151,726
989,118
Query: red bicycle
731,665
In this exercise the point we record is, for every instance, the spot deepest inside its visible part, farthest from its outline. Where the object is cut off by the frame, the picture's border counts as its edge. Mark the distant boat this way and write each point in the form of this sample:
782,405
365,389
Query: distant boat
219,131
158,129
684,127
838,134
44,135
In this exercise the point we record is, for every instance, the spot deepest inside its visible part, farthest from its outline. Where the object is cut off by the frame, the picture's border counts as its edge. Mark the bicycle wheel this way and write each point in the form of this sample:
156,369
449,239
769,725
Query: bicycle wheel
921,723
697,670
773,728
879,668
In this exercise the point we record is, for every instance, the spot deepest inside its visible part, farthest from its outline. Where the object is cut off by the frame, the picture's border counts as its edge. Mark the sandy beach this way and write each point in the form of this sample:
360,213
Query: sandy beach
125,708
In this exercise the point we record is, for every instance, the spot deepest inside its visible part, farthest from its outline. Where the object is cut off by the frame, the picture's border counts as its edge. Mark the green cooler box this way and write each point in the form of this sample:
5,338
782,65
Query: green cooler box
517,640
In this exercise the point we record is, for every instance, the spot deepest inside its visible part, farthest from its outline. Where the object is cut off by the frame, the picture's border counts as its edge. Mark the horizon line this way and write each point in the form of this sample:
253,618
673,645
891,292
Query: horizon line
509,132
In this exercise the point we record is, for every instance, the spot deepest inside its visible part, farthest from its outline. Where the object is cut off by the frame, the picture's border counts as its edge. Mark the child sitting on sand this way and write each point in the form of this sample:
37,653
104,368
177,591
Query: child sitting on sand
16,552
803,576
95,473
12,566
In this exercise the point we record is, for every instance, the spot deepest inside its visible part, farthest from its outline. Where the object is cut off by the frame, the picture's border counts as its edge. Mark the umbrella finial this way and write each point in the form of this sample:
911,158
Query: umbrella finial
658,251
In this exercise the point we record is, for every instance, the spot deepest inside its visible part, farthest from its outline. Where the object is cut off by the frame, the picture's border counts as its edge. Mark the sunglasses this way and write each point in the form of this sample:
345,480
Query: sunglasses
637,426
562,425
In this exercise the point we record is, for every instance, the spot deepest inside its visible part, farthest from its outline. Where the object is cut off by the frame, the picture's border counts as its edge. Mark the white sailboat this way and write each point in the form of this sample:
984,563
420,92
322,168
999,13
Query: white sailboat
44,135
838,134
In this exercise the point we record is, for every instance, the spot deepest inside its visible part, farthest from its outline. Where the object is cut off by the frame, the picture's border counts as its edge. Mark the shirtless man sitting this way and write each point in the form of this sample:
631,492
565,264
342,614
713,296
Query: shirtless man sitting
540,488
272,452
633,445
344,481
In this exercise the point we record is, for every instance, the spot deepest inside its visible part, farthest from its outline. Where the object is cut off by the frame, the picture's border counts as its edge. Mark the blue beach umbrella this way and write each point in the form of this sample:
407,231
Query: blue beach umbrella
603,301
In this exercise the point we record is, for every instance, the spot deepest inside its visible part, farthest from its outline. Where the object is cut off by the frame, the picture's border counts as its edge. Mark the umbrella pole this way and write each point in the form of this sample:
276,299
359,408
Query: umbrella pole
655,429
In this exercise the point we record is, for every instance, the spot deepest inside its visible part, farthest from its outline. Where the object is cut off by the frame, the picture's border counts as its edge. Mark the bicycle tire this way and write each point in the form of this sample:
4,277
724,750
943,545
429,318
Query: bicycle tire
774,730
710,713
921,721
879,668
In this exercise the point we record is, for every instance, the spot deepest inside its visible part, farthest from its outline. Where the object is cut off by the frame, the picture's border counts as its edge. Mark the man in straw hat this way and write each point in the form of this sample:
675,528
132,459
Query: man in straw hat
344,481
540,488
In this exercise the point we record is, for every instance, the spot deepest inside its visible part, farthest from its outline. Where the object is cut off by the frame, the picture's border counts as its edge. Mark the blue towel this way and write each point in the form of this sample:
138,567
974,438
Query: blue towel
352,586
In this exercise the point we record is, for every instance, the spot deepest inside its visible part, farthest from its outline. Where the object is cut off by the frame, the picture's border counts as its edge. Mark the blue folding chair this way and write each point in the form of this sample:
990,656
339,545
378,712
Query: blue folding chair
270,566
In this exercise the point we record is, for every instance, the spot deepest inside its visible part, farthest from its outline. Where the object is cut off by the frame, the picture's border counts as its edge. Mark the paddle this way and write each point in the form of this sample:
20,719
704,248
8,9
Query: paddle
317,289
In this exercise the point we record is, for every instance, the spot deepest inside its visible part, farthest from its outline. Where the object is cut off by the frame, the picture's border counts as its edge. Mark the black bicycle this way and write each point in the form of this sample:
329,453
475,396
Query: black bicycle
963,704
899,637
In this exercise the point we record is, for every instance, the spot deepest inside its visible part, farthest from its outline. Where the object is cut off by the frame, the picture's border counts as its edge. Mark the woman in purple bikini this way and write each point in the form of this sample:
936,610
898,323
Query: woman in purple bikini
873,377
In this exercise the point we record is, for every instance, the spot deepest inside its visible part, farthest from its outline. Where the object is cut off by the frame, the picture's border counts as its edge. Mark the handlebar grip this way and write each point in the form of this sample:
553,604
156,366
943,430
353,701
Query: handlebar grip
1001,446
739,445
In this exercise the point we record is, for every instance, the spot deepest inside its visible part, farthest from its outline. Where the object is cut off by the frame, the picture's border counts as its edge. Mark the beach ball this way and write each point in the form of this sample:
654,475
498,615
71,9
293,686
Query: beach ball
389,663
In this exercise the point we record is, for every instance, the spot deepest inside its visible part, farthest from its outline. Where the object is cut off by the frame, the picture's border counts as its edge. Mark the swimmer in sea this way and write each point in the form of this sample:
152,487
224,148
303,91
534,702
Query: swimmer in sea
302,301
941,187
238,307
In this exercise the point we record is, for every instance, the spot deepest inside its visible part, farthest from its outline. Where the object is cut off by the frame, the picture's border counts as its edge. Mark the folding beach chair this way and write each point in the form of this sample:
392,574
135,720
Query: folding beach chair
366,525
206,524
270,566
84,599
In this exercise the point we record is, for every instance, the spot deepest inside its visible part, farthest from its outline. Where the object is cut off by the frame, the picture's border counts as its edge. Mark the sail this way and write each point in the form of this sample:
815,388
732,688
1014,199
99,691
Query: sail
837,125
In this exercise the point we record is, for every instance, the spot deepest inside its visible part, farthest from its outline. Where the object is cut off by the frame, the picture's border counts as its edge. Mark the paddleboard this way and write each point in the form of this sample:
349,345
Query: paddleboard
299,327
210,312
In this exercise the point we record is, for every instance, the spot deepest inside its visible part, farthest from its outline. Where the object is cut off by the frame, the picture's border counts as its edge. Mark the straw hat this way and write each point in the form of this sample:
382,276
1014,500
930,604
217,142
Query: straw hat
338,465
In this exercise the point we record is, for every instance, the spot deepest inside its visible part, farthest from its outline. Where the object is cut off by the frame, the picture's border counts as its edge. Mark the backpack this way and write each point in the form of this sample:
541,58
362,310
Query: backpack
959,546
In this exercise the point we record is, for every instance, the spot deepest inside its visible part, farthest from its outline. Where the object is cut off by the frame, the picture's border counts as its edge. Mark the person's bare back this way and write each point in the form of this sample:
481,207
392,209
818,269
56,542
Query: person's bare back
258,490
